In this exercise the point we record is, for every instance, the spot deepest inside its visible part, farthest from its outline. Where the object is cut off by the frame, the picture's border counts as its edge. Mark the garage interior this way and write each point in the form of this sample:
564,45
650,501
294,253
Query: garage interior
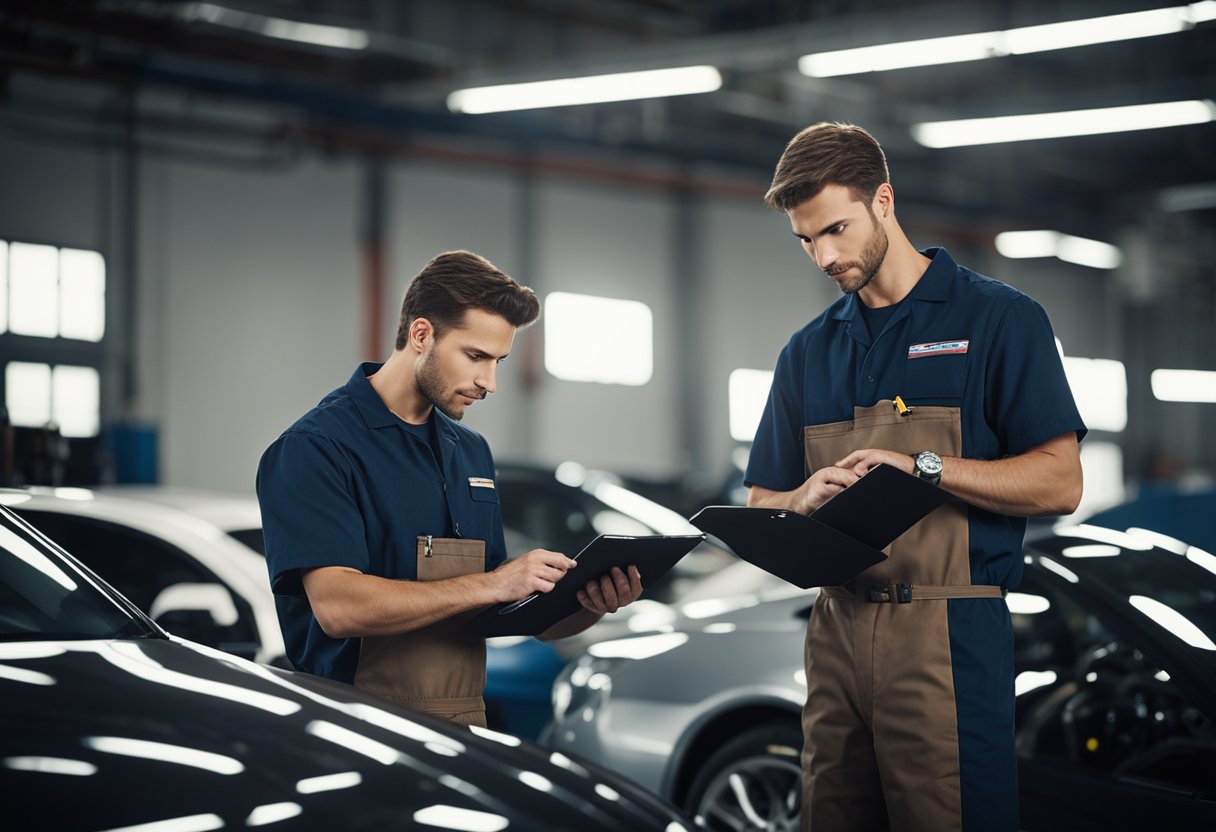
261,179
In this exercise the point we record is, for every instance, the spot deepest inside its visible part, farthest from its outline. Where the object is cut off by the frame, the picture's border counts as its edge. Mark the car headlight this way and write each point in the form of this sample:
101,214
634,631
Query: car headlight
584,683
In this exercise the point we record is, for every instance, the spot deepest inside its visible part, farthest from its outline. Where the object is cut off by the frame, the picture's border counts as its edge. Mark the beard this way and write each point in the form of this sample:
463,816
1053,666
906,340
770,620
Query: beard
429,382
872,258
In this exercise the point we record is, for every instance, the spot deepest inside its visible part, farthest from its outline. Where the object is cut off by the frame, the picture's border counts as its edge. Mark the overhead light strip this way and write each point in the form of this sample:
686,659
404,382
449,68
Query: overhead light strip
1023,40
316,34
1078,250
1033,126
592,89
1184,385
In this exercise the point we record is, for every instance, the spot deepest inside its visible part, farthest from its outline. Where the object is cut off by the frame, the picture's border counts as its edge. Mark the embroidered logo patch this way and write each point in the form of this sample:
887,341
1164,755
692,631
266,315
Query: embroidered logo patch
481,482
938,348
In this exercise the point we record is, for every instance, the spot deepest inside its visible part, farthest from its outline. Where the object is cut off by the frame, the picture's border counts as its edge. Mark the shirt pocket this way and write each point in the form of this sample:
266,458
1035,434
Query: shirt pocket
935,379
483,493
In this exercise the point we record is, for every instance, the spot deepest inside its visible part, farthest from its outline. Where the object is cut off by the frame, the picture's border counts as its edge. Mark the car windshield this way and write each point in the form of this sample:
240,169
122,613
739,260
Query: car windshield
1178,591
45,596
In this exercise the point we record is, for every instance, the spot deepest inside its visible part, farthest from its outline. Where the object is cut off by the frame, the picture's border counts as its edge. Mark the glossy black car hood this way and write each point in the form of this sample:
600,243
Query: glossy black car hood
109,734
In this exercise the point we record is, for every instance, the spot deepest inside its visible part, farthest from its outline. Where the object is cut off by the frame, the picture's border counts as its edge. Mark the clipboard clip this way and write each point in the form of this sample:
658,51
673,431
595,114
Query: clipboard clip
900,408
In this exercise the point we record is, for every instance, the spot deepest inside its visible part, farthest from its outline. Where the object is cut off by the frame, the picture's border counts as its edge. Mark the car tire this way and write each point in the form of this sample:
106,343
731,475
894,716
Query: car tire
752,782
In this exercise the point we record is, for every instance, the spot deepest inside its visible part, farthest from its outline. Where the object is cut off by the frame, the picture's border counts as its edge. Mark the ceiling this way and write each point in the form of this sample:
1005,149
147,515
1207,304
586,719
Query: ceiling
164,72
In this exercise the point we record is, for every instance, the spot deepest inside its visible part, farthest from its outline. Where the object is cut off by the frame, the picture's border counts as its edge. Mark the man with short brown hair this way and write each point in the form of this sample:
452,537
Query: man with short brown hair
381,513
951,376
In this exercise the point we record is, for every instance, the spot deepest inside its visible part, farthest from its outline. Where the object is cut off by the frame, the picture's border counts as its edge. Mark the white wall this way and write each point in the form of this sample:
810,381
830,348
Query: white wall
250,296
612,243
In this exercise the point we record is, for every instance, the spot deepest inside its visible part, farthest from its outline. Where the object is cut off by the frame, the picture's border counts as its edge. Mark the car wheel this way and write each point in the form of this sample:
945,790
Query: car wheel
752,782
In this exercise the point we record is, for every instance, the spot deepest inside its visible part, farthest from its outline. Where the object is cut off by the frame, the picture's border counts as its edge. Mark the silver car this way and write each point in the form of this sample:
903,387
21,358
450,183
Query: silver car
1115,659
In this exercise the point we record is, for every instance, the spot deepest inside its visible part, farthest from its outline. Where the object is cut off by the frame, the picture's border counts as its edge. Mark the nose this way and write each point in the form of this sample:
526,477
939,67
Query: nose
823,255
488,379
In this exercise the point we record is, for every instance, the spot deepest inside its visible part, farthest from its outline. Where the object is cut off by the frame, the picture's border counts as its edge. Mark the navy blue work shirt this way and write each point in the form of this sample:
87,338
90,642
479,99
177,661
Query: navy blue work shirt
959,339
350,484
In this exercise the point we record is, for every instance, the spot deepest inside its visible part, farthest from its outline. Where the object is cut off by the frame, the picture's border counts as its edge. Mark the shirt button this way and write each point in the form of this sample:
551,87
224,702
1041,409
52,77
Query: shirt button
870,379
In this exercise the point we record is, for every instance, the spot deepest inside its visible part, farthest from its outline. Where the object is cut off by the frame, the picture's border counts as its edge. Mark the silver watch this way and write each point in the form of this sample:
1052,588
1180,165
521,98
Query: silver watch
928,467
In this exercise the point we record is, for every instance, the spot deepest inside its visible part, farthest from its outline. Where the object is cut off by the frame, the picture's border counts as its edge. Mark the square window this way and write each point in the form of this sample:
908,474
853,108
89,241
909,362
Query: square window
76,400
33,279
1099,386
82,294
3,286
27,393
748,393
598,339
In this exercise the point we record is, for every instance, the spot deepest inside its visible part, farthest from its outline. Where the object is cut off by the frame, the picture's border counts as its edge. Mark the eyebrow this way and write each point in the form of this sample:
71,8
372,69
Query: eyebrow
486,353
822,231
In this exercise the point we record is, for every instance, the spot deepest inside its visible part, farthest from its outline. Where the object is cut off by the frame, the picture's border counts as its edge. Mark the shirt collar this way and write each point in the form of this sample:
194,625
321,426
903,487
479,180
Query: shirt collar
933,286
375,412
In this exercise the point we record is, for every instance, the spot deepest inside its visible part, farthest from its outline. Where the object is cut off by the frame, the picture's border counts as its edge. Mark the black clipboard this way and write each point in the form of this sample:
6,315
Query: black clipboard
653,556
842,538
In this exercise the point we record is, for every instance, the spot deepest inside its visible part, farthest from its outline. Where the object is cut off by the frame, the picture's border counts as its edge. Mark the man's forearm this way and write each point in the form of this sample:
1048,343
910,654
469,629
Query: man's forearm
350,604
1044,480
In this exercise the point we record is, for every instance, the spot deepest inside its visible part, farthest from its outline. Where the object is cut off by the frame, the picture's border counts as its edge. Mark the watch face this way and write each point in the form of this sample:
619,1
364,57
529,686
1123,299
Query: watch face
929,462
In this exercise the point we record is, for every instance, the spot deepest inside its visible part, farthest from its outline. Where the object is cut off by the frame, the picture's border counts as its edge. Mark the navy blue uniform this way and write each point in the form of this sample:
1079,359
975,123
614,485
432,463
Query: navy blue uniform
978,352
350,484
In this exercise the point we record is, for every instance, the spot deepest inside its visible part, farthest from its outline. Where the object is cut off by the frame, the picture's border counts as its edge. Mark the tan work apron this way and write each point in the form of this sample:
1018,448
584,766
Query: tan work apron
439,669
880,725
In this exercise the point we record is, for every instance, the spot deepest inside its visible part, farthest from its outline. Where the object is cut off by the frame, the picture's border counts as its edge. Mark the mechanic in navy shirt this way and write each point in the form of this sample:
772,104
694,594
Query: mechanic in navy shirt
953,377
381,515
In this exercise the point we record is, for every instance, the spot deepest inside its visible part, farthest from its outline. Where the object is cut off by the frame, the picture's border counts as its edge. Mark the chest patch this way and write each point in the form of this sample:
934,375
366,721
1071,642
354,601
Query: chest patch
481,482
937,348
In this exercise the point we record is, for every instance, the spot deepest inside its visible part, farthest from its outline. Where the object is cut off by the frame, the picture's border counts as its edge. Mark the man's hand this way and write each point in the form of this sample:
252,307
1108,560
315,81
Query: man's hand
862,462
536,571
611,591
822,486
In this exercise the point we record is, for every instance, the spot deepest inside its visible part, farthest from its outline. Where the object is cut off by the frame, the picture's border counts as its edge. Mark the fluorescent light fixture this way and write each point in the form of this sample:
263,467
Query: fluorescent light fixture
972,131
337,37
1184,385
591,89
1043,243
1023,40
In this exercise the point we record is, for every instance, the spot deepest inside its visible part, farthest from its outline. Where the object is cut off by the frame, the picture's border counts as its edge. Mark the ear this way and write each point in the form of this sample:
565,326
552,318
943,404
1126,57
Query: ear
884,200
422,334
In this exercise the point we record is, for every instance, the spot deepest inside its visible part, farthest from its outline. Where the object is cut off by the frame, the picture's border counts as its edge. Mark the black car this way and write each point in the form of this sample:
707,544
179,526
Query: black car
1115,662
107,722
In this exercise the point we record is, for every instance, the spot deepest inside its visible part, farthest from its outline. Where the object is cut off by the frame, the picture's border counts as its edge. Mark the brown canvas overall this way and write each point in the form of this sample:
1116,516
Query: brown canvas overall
880,725
440,669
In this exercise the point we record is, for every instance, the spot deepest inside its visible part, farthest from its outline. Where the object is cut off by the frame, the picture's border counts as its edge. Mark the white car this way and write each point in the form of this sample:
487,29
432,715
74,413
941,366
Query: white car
190,558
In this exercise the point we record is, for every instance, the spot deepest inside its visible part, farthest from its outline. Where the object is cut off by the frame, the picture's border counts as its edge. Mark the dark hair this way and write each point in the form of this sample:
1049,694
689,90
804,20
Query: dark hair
457,281
827,153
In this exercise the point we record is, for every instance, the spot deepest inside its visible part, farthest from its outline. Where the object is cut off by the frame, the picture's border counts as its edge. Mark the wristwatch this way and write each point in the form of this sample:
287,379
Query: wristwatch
928,467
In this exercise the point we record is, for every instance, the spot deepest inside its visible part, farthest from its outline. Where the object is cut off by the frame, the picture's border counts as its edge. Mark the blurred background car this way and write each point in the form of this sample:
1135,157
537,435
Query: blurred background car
184,556
1115,661
108,722
564,509
195,560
